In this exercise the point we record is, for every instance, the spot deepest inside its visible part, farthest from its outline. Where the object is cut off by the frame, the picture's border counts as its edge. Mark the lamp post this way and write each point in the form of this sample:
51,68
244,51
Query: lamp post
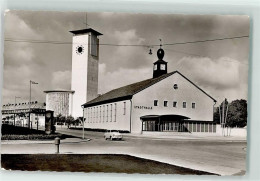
29,119
15,107
83,127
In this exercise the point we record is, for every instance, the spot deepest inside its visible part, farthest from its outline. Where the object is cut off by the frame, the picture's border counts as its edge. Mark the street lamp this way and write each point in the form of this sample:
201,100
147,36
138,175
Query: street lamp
29,119
83,127
15,107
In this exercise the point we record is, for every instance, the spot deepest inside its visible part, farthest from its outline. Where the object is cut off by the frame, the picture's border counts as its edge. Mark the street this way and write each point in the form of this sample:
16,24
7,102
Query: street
220,157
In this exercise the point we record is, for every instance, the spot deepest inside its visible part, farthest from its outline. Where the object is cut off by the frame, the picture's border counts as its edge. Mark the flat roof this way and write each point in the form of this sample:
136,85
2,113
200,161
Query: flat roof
82,31
48,91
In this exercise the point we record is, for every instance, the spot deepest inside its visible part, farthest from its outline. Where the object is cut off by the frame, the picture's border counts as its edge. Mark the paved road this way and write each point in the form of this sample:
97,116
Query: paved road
225,158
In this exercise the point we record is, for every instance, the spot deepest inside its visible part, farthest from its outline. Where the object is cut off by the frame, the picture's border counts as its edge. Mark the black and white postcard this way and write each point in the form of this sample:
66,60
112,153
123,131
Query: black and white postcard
125,93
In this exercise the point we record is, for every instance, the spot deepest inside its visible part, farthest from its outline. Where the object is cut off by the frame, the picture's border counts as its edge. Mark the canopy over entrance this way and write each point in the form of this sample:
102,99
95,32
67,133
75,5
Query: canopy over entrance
164,117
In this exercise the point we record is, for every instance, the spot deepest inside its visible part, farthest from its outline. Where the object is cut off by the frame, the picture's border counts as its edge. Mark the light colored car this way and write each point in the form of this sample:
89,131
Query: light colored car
113,135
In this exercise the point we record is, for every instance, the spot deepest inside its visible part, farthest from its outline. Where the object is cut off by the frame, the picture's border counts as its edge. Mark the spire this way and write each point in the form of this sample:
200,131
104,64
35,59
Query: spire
160,66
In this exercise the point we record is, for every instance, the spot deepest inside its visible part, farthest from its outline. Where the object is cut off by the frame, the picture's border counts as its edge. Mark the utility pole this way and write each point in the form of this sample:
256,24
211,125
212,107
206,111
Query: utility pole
226,118
220,120
83,126
29,118
223,118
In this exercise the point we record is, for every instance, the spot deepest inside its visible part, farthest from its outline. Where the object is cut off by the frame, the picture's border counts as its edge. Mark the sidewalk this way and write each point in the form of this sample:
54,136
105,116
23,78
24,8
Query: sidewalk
188,137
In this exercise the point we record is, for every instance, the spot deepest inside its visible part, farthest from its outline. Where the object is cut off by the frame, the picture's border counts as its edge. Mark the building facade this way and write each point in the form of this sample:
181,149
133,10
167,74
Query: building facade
59,101
18,114
168,102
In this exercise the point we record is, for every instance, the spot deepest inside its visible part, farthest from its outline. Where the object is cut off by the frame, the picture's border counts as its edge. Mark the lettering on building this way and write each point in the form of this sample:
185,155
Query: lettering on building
143,107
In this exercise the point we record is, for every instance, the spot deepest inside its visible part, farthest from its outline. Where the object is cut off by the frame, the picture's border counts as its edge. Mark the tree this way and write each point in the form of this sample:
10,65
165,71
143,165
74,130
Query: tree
58,119
62,120
69,121
79,120
237,113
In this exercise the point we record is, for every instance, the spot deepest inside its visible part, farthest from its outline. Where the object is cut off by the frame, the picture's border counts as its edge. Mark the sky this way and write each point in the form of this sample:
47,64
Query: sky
220,68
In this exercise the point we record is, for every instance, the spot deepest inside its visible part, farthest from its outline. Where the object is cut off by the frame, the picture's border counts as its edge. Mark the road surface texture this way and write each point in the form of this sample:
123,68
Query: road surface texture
219,157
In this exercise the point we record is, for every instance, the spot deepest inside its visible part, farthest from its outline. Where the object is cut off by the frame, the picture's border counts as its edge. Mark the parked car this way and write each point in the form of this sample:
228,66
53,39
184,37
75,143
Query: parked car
113,134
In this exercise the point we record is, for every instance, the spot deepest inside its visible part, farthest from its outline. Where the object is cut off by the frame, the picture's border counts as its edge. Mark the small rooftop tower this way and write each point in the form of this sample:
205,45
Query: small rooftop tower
160,66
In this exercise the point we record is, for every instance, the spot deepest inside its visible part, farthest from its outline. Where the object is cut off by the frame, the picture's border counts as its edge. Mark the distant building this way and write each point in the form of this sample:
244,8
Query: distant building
59,101
18,114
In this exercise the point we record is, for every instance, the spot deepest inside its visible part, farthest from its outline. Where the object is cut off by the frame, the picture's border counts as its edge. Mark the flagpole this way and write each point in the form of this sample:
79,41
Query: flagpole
29,119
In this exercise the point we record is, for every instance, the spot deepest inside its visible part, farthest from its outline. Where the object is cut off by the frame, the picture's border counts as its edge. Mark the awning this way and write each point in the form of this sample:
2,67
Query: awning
164,117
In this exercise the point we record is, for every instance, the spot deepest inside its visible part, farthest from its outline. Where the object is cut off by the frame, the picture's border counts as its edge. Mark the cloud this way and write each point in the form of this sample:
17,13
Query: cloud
49,63
221,73
15,27
220,77
126,57
61,80
16,83
121,77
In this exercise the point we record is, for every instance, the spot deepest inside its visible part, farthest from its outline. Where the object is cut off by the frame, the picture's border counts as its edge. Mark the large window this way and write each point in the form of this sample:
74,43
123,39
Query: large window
103,113
88,114
96,111
149,126
94,114
111,115
91,115
107,113
124,111
155,102
115,113
100,114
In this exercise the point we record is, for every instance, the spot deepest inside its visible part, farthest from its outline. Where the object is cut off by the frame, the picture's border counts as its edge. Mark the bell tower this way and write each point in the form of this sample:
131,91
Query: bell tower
160,66
84,74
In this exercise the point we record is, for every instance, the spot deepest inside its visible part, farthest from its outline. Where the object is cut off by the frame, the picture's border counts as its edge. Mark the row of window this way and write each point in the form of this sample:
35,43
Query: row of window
104,113
33,102
179,127
174,104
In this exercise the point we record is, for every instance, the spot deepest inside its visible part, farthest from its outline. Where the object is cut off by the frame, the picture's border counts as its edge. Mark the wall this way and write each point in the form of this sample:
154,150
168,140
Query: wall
92,75
236,132
163,91
79,73
97,117
59,102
